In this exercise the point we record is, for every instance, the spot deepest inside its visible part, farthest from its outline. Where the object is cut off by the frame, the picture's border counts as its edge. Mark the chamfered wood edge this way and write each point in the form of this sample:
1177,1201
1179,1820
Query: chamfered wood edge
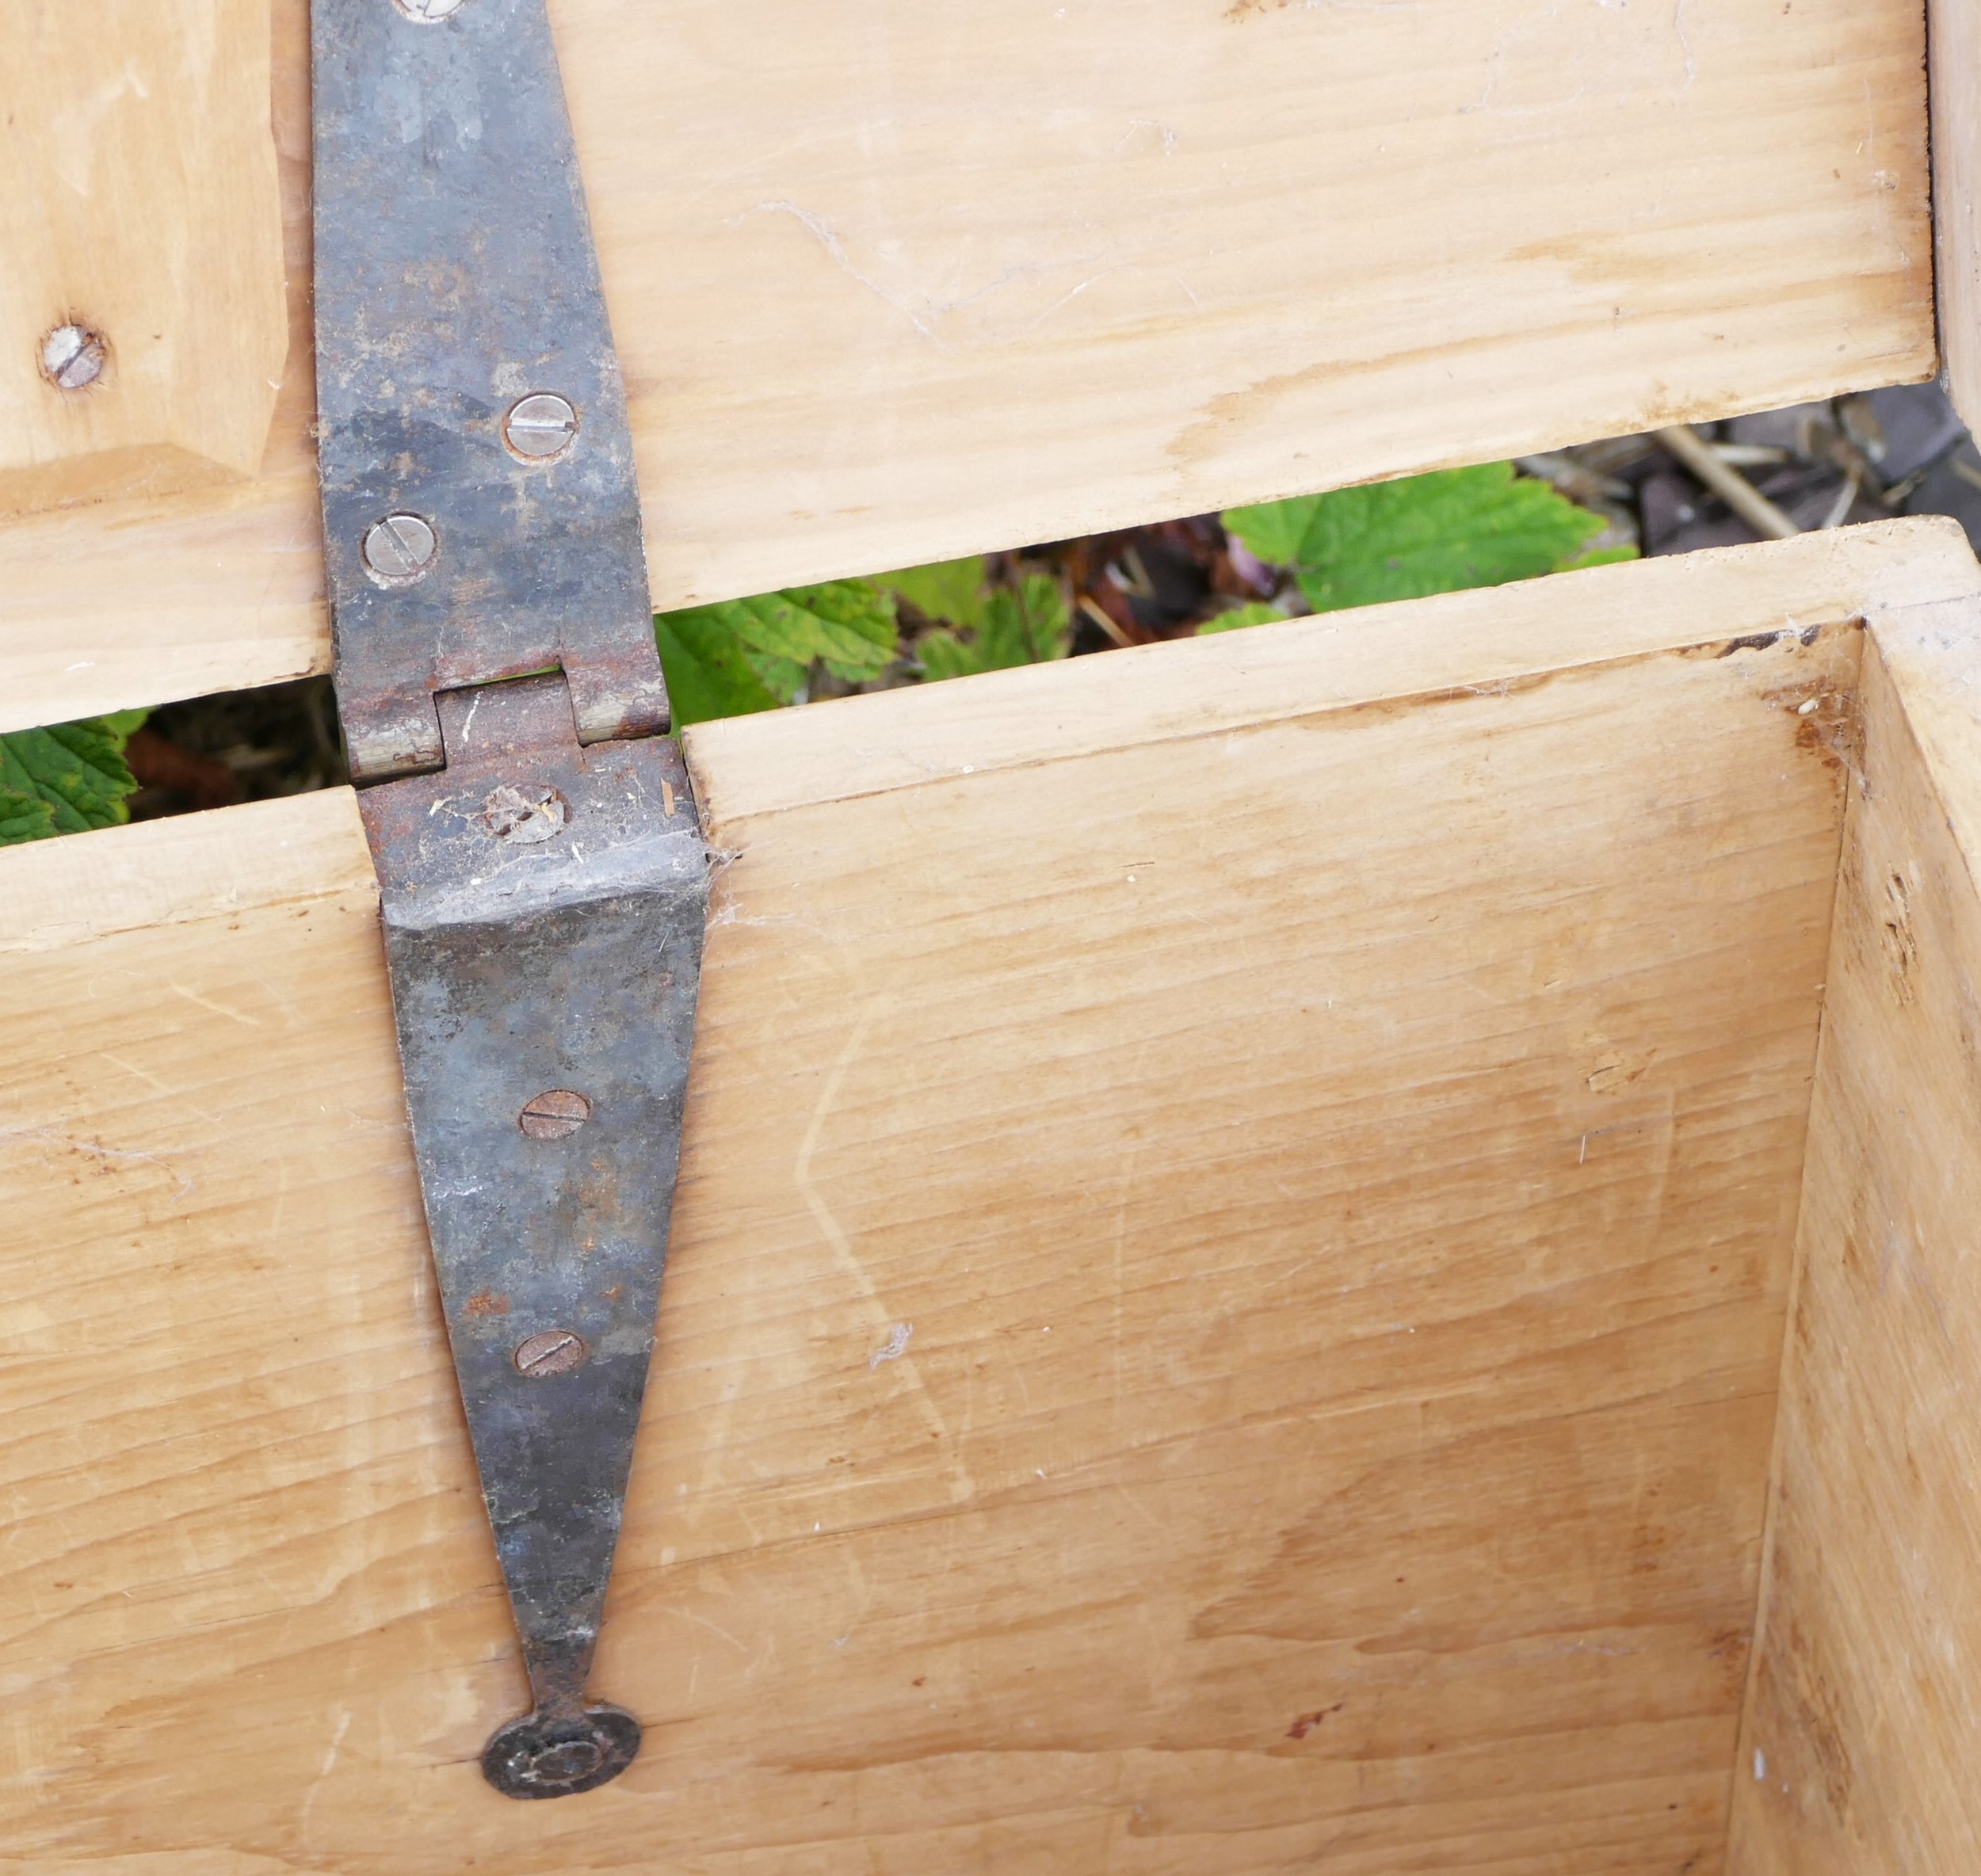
747,766
1932,653
66,891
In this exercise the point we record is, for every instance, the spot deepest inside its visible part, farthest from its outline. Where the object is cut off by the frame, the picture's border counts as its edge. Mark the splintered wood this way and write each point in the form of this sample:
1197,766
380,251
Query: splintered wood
897,282
1223,1317
1857,1758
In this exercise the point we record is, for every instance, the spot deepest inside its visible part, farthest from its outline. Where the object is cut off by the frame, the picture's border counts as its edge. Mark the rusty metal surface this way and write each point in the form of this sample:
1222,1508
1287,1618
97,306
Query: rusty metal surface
544,987
456,281
544,881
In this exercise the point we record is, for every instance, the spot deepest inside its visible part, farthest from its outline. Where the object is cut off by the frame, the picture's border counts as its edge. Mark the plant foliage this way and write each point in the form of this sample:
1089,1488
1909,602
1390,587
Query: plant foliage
1434,533
66,780
1257,612
1025,625
741,655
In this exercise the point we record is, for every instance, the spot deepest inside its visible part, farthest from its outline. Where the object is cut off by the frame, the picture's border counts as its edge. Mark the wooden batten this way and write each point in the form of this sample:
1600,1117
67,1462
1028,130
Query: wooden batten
1856,1753
1954,37
904,282
1225,1307
138,199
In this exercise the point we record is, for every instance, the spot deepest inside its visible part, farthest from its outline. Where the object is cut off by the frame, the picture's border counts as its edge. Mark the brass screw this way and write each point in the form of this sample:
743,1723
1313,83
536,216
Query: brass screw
551,1351
555,1115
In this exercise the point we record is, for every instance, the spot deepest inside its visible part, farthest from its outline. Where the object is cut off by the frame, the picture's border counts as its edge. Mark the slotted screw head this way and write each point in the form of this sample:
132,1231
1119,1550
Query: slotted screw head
555,1115
540,427
429,13
551,1352
73,356
400,549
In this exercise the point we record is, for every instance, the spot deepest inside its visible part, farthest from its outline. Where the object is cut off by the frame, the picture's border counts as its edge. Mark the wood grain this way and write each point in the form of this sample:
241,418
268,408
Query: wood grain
906,282
1856,1754
138,175
1224,1312
1954,41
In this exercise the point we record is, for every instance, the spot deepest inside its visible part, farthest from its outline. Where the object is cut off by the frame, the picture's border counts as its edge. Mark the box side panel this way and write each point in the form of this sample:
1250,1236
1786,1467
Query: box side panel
897,282
1224,1317
1954,37
1856,1753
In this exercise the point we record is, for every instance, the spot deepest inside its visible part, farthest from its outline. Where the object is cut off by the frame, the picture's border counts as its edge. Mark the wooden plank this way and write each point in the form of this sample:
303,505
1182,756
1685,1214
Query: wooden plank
909,282
1955,44
1223,1317
139,174
1857,1750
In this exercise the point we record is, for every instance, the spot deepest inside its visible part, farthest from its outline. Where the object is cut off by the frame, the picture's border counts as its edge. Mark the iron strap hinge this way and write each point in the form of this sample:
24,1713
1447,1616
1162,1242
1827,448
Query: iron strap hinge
543,876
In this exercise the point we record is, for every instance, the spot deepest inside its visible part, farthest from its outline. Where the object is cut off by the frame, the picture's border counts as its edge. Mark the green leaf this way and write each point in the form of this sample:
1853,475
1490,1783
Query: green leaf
708,672
66,778
1435,533
1027,627
952,590
1257,612
24,817
741,655
849,623
1609,556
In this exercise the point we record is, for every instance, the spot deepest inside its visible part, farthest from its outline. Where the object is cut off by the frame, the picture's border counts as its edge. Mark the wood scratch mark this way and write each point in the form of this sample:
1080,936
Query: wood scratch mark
325,1770
962,1486
702,1622
100,1152
131,1069
218,1009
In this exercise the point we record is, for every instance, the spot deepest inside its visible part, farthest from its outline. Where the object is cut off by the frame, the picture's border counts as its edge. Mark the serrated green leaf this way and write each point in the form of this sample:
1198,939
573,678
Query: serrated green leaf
1434,533
849,623
1274,531
24,817
708,671
949,590
741,655
76,772
1027,627
1257,612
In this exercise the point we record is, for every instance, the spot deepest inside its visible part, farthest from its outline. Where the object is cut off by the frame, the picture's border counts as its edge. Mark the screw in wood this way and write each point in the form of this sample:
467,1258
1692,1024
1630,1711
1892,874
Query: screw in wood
540,428
73,356
550,1351
555,1115
400,549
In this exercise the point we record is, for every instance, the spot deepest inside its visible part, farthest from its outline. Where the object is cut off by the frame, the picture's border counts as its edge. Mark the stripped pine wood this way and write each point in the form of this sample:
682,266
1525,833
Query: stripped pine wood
139,178
1223,1317
905,282
1954,39
1858,1747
